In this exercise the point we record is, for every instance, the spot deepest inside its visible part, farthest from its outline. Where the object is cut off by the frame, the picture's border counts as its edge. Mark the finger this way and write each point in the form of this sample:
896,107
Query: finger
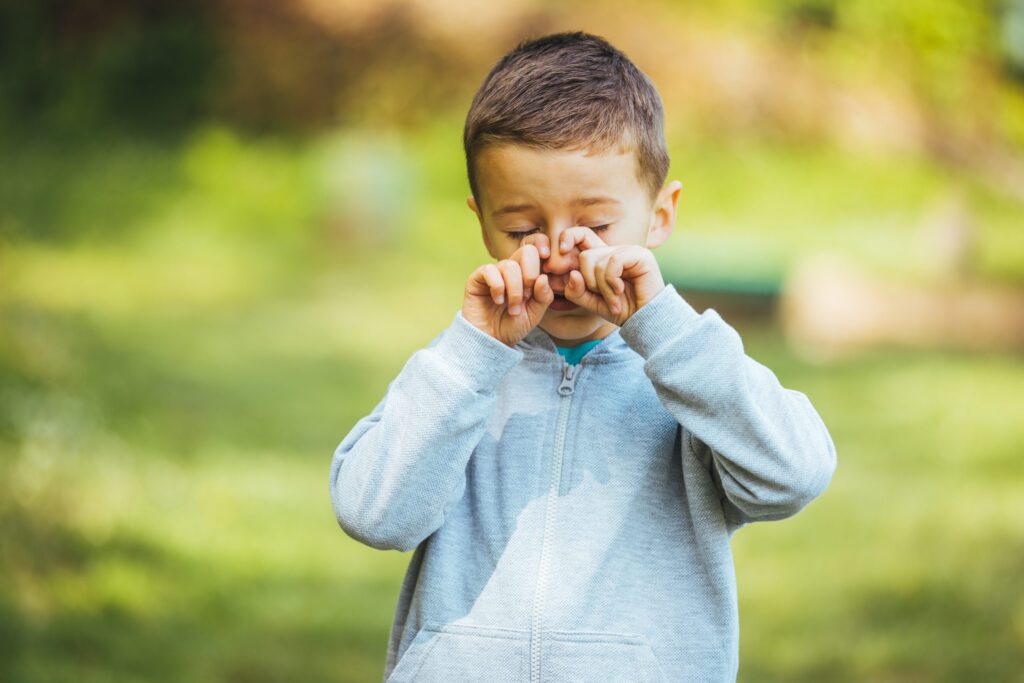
581,235
541,241
587,262
604,286
528,258
491,277
577,292
634,261
613,271
543,295
513,277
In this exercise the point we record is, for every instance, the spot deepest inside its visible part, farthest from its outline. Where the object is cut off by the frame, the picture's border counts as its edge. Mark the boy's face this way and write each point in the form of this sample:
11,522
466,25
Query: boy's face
531,192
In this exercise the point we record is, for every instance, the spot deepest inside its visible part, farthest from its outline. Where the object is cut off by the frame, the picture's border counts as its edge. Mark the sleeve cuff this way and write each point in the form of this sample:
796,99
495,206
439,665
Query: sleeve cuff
477,358
658,321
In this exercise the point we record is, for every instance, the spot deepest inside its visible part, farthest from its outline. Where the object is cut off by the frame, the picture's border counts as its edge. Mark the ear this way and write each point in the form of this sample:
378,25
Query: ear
473,207
483,231
664,220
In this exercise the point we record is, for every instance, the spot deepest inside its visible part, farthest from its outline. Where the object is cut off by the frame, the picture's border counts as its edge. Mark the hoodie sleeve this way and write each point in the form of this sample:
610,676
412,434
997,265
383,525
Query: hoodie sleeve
400,469
767,448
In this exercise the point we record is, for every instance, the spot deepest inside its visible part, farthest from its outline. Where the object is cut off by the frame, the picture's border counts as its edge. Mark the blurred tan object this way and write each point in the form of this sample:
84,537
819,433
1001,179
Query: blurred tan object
461,25
830,309
948,237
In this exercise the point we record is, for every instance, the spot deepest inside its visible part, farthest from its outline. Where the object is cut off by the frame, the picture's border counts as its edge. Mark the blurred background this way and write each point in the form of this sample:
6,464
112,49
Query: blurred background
225,226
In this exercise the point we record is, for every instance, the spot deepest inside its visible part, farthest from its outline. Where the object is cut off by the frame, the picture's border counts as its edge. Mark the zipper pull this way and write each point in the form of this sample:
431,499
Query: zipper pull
568,384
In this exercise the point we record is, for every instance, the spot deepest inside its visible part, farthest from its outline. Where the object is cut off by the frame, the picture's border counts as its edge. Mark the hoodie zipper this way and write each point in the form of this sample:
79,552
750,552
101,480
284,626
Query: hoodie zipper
565,390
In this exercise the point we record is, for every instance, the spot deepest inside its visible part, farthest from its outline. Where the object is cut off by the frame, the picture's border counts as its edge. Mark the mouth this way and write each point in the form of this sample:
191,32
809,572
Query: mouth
562,304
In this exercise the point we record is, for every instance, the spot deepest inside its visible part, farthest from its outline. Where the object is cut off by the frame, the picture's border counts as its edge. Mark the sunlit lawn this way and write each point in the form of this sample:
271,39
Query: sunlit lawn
169,403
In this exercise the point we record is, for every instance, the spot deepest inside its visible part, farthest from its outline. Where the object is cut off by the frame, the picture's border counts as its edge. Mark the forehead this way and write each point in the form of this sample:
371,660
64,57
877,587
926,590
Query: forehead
515,174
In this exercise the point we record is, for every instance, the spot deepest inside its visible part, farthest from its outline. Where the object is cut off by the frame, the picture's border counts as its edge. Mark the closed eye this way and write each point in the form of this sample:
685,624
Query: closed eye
522,233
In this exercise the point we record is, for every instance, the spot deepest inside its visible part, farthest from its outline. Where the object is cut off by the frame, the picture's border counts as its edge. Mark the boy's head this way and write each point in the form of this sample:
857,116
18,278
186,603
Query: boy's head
559,119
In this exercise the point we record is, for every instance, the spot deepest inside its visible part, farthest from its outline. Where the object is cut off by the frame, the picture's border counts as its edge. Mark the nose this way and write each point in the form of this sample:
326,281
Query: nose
559,263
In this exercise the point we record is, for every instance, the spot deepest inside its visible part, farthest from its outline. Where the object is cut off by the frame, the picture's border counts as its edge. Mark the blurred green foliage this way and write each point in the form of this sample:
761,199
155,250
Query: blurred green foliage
158,66
165,513
208,273
170,400
75,68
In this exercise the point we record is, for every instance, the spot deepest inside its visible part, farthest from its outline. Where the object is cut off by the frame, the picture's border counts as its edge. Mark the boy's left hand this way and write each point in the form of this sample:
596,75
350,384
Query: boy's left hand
613,281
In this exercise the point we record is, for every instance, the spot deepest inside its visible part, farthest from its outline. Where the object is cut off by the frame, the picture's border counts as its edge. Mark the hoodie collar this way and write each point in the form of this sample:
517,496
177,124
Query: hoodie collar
537,343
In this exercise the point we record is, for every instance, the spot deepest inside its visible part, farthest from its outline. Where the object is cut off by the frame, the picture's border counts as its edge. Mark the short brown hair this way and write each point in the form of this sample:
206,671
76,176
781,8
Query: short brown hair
570,90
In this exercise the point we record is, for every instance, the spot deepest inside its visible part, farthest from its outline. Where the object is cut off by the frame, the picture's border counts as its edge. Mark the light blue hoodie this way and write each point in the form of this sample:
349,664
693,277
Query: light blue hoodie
573,522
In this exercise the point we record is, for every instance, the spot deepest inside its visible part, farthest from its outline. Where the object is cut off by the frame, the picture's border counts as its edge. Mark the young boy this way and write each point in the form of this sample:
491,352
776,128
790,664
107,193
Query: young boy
572,454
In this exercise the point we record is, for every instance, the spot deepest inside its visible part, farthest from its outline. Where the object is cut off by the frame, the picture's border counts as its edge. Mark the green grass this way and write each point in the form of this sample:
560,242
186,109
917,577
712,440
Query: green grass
171,394
907,567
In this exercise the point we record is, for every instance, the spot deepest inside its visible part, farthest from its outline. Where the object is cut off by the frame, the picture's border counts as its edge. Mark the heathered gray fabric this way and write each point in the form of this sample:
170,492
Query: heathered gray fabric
578,537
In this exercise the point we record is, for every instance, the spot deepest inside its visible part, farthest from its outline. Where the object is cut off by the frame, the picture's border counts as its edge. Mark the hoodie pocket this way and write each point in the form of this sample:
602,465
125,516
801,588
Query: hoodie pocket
581,656
454,652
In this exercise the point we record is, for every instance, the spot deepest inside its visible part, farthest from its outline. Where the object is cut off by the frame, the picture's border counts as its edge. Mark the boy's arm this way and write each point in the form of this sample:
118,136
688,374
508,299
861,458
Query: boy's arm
401,468
769,450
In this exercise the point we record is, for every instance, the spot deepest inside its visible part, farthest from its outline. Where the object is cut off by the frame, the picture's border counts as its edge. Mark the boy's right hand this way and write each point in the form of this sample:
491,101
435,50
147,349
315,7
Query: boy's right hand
494,290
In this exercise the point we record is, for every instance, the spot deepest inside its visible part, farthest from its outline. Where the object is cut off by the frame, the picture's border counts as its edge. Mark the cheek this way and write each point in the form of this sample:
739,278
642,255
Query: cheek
501,246
632,233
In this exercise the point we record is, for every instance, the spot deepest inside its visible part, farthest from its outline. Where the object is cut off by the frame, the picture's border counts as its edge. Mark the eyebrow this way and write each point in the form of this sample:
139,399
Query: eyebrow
579,201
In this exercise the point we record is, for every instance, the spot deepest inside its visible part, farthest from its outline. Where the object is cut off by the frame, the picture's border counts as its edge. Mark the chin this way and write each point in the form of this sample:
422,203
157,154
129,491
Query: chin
571,325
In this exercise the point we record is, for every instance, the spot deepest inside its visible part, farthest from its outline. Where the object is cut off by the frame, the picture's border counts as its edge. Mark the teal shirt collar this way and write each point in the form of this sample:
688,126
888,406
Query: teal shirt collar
573,354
